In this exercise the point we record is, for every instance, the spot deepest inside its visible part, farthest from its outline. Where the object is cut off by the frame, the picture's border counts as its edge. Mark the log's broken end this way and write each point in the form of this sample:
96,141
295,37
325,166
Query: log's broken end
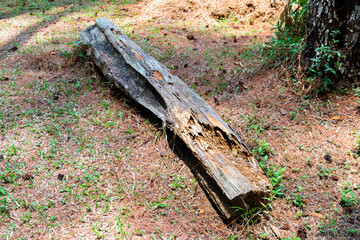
225,168
222,188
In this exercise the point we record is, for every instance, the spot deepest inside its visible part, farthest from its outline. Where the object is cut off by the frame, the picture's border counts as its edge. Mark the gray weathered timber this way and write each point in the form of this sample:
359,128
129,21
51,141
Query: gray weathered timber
221,161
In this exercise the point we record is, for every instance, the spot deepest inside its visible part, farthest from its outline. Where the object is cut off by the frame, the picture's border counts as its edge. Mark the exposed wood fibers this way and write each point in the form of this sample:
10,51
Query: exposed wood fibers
136,54
157,75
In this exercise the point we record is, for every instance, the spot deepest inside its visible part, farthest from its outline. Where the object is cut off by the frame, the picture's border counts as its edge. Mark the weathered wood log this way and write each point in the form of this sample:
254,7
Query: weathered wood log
221,161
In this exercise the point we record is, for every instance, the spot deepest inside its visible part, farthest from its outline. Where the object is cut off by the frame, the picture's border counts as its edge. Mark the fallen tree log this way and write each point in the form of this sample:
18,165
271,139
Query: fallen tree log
221,161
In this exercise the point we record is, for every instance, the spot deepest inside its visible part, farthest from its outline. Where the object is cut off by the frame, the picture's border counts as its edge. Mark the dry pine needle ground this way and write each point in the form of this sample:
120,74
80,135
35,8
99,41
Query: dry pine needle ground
77,160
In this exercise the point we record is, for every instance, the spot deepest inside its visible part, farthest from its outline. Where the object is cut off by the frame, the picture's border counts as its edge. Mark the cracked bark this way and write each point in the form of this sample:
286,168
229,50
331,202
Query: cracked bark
221,161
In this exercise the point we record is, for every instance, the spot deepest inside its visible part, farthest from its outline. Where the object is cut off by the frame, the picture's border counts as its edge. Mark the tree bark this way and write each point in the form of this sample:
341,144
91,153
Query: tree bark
327,16
221,161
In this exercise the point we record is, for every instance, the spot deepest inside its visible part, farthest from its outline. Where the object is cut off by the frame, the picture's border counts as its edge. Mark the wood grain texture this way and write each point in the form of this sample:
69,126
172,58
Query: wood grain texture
221,161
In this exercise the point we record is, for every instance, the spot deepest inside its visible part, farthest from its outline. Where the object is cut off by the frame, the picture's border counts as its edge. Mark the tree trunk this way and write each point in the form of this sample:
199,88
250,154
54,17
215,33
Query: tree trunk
325,18
221,161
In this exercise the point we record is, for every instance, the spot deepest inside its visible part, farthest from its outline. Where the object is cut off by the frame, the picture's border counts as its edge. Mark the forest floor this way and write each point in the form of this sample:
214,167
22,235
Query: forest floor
79,161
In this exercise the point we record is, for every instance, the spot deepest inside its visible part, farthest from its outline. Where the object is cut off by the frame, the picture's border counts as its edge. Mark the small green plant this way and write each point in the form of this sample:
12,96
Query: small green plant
357,91
352,232
330,227
275,174
178,182
298,199
261,236
349,198
249,215
262,149
326,65
356,150
287,43
325,172
255,125
160,205
79,51
3,191
10,174
292,237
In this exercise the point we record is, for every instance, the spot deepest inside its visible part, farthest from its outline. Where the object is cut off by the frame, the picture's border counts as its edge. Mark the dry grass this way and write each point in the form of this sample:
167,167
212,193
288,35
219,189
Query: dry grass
77,160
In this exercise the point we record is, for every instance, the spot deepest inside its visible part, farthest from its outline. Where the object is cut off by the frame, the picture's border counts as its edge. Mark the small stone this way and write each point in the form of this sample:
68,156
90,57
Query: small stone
335,178
283,111
301,233
27,176
61,176
328,158
190,36
216,100
13,49
73,80
285,227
